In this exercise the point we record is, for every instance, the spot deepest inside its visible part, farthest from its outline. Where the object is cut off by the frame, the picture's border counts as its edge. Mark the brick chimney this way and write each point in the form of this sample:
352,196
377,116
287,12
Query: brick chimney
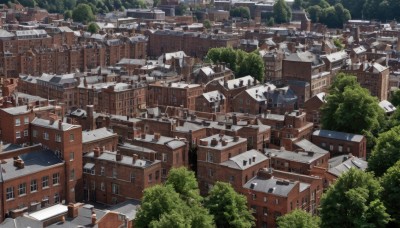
214,142
234,119
152,157
265,174
156,136
203,143
19,163
60,124
134,158
118,156
94,217
72,210
143,136
97,152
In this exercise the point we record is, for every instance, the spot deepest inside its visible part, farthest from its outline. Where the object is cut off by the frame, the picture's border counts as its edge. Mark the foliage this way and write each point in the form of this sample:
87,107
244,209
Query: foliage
395,98
252,65
348,103
338,43
391,192
181,9
356,198
83,13
228,207
207,24
333,16
282,12
93,28
297,4
176,204
241,11
386,151
271,22
298,219
68,14
240,62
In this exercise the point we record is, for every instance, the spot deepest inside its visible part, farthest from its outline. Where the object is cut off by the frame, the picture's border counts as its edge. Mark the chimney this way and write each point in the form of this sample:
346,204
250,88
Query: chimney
156,136
60,124
19,163
224,142
118,156
234,119
97,152
214,142
265,174
310,153
152,157
94,217
72,210
236,138
203,143
143,136
254,158
134,158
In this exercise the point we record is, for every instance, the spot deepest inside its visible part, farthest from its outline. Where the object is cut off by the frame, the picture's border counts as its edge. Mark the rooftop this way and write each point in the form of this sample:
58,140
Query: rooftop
245,160
338,135
219,139
53,124
111,157
163,140
302,157
93,135
272,186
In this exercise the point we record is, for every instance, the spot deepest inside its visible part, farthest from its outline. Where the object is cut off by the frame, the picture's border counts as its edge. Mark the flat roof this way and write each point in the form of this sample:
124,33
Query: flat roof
49,212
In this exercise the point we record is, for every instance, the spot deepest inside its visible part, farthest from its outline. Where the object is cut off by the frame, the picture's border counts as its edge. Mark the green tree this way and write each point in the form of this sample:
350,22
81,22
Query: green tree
184,183
253,65
228,207
298,219
386,151
347,103
68,14
338,43
391,193
83,13
395,98
354,201
181,9
241,11
282,12
297,4
93,28
315,13
271,22
207,24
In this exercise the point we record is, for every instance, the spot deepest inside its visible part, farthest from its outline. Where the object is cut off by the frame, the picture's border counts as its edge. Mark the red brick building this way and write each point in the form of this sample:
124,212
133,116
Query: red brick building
341,143
110,177
101,138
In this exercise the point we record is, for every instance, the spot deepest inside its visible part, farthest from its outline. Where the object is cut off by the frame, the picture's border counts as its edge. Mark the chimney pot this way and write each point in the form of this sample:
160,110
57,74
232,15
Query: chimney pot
134,158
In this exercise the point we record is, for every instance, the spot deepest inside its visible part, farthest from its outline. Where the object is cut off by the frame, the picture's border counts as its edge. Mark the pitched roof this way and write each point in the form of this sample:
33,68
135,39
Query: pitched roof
245,160
338,135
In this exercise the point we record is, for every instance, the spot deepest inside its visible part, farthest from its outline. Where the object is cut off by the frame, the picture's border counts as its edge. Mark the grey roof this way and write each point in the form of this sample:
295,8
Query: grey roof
132,147
309,146
228,139
17,110
187,126
20,222
163,140
47,124
84,218
346,164
237,162
302,157
124,61
304,57
213,96
128,208
272,186
34,161
338,135
387,106
126,160
100,133
5,34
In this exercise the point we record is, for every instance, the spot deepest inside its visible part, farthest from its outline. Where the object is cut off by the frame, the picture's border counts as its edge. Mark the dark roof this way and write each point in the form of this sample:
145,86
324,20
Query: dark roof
338,135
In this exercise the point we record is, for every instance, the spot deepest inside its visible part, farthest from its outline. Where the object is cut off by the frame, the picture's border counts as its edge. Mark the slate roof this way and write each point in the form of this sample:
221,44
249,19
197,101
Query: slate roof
228,139
346,165
213,96
46,123
338,135
309,146
170,142
17,110
93,135
302,157
237,162
34,161
272,186
126,160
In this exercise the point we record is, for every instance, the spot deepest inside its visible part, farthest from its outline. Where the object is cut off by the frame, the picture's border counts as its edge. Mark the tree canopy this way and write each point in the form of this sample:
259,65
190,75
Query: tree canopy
241,11
391,193
395,98
298,219
83,13
386,151
93,28
240,62
282,12
176,204
348,102
228,207
354,201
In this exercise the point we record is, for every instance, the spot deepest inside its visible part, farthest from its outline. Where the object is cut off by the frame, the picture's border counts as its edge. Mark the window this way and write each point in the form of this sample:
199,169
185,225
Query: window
265,199
25,133
164,157
45,135
93,183
45,182
276,201
33,185
10,193
254,196
150,178
133,177
164,172
115,188
17,122
58,138
231,179
323,144
114,172
26,120
102,171
18,135
210,157
102,187
22,189
340,148
72,175
157,174
56,198
265,211
71,156
34,133
330,147
71,137
210,173
56,178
